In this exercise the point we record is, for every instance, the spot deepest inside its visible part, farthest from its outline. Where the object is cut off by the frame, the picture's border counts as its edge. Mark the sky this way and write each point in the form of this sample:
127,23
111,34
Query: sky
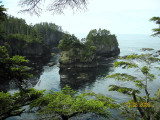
117,16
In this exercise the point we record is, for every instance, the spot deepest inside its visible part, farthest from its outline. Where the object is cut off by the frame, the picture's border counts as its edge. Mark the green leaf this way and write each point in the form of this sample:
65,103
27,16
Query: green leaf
123,90
125,64
121,76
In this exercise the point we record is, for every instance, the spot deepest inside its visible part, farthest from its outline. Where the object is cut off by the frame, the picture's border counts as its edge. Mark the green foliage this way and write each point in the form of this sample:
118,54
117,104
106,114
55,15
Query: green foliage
12,104
67,104
122,76
147,59
2,10
13,68
85,51
68,91
2,17
103,37
76,49
125,64
126,77
123,90
143,58
18,60
50,33
69,42
88,49
3,53
156,30
145,70
21,37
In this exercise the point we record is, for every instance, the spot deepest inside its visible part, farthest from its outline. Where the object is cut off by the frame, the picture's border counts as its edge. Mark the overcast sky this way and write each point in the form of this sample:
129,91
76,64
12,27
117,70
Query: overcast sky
118,16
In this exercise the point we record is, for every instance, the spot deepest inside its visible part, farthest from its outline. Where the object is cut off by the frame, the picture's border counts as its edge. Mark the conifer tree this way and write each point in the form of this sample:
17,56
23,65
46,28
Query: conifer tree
144,105
66,104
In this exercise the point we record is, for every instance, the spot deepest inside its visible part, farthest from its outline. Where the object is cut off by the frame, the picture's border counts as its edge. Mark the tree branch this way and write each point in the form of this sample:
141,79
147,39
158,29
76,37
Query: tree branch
57,6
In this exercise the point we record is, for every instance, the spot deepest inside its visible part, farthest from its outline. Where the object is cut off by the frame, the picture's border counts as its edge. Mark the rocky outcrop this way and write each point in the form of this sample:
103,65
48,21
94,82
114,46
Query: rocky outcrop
147,49
107,46
98,44
74,58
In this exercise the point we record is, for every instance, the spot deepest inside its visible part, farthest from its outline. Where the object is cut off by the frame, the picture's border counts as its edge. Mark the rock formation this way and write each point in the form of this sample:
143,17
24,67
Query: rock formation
98,44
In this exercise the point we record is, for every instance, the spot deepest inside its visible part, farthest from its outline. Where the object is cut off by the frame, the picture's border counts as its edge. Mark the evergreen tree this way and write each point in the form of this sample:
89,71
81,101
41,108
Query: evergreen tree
69,42
66,104
15,104
21,36
2,17
102,36
12,68
142,107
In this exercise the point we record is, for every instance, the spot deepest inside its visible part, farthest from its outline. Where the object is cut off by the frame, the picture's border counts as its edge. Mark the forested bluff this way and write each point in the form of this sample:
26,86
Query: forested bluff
39,40
30,40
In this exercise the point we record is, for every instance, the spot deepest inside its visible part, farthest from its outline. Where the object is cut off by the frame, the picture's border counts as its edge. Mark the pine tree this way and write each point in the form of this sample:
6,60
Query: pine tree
144,105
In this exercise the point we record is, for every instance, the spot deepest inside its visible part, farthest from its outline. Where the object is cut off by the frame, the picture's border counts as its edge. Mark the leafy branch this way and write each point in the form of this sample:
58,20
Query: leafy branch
129,62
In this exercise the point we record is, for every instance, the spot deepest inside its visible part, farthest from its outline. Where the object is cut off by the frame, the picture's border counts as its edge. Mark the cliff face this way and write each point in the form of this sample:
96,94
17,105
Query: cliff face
106,43
20,45
30,40
106,50
29,50
36,49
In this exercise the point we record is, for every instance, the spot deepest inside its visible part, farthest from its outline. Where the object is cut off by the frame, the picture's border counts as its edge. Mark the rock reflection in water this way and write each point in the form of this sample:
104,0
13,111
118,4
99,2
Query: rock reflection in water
79,78
35,67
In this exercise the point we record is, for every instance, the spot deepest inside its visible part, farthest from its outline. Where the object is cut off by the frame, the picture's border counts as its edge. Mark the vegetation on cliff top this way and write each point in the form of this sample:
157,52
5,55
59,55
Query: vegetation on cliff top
74,50
69,42
102,37
22,37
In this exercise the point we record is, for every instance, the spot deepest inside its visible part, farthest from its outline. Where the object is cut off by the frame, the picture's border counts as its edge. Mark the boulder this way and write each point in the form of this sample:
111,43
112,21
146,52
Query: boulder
158,51
147,49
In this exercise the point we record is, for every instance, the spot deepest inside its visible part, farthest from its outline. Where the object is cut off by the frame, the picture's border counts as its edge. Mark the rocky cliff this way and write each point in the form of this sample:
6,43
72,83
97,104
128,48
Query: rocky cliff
28,49
98,44
105,42
29,46
29,40
76,58
107,50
